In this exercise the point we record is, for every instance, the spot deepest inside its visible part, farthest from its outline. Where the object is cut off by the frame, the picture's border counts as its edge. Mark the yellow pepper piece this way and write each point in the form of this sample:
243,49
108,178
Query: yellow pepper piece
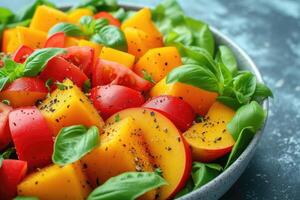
71,41
117,56
200,100
14,38
69,107
56,182
45,17
158,62
97,47
75,15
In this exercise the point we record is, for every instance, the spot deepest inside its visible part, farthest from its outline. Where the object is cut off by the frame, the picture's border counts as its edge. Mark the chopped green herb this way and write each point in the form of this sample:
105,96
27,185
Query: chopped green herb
87,86
7,102
147,76
117,118
61,86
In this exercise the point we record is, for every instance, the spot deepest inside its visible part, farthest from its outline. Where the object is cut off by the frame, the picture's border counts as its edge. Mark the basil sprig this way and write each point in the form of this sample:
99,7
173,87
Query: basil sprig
127,186
34,64
201,174
73,142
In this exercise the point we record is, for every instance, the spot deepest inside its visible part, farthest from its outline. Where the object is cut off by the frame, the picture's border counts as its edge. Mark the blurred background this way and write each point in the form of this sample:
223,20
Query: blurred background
269,31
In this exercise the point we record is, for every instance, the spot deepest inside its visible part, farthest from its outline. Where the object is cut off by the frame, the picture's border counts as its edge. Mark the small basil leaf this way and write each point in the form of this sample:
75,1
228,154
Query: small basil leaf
25,22
5,101
229,101
111,36
129,186
240,145
103,5
189,186
38,60
3,82
6,155
25,198
250,116
202,173
227,58
117,118
147,76
60,85
100,23
86,20
262,91
244,85
87,86
68,28
73,142
195,75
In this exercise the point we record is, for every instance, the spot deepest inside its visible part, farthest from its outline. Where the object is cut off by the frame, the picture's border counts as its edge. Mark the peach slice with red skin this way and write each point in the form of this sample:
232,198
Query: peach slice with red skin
210,138
166,147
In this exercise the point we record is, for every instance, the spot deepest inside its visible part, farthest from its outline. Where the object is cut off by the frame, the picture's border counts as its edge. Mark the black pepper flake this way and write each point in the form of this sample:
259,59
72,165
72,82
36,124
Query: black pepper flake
152,113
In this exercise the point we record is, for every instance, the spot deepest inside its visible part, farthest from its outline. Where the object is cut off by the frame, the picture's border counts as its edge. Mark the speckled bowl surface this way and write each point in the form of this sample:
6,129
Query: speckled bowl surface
218,186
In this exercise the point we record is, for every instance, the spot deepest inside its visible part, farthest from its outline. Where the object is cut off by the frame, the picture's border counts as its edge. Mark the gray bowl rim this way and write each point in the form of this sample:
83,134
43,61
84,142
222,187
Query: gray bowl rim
254,142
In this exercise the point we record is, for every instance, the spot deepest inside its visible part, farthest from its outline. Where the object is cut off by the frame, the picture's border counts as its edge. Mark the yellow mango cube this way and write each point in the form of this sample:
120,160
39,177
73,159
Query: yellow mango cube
45,17
158,62
114,55
56,182
200,100
71,41
139,42
97,47
69,107
75,15
122,149
14,38
142,20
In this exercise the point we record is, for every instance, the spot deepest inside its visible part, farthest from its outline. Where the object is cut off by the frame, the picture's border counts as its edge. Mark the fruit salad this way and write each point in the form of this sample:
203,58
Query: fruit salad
103,103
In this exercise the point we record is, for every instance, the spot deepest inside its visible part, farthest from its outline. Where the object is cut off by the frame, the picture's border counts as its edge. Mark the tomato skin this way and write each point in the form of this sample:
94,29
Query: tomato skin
82,57
174,108
107,72
110,99
58,69
32,136
5,136
56,40
22,53
24,91
11,174
111,19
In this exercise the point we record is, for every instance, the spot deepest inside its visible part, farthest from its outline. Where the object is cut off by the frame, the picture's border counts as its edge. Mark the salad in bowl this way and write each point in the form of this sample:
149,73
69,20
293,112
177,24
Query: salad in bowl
99,102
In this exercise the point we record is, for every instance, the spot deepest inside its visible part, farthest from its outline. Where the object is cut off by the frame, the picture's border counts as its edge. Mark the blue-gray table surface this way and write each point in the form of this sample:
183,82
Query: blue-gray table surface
269,31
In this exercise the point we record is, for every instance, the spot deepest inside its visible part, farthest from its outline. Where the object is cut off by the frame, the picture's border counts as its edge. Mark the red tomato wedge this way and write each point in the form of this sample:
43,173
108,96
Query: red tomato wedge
5,137
22,53
24,91
82,57
174,108
107,72
111,19
32,136
11,174
58,69
110,99
56,40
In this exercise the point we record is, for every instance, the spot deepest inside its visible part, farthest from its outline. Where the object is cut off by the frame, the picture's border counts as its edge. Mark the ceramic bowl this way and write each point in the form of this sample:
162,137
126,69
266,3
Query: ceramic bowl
218,186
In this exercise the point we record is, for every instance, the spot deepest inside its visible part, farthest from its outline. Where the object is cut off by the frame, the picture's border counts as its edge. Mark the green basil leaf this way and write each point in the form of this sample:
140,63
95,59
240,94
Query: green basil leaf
227,58
6,155
5,15
244,86
129,186
250,116
10,72
202,173
86,20
87,86
147,76
229,101
38,60
122,15
117,118
68,28
195,75
262,91
73,142
111,36
3,82
5,101
25,198
100,23
240,145
25,22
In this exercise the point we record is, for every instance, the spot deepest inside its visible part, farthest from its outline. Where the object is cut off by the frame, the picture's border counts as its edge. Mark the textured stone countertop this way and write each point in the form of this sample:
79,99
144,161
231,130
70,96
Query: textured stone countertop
269,31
